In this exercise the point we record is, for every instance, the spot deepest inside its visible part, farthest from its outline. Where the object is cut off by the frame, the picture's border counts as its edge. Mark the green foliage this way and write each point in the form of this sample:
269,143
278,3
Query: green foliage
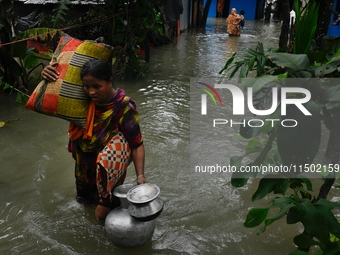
257,63
131,31
43,34
306,24
60,14
6,18
24,61
295,145
251,61
255,217
291,194
126,25
29,59
59,17
21,97
317,218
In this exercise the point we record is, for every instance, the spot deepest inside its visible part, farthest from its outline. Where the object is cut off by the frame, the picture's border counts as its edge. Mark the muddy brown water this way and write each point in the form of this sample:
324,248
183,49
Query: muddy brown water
202,215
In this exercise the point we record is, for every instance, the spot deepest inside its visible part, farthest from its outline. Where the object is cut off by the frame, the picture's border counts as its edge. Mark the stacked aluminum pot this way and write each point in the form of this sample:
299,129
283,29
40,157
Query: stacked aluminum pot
132,223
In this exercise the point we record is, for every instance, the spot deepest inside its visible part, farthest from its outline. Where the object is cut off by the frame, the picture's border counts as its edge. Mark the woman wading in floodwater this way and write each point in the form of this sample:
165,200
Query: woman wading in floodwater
233,22
101,161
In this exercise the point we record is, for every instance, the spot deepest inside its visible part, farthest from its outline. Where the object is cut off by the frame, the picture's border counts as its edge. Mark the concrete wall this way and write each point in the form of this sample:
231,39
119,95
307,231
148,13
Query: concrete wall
248,5
185,16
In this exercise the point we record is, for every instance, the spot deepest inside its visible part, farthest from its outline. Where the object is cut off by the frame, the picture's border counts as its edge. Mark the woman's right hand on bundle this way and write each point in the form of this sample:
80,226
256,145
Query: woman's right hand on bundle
50,73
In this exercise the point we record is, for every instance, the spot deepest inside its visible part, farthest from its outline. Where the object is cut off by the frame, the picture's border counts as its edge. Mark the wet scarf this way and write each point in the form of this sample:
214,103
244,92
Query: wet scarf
118,115
112,163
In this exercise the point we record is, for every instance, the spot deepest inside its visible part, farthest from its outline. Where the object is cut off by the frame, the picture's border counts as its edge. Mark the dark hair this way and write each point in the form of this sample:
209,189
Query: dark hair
242,12
99,69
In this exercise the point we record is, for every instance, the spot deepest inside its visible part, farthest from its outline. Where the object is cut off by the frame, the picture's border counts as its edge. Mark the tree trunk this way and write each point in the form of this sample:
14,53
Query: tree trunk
325,12
205,13
284,7
6,25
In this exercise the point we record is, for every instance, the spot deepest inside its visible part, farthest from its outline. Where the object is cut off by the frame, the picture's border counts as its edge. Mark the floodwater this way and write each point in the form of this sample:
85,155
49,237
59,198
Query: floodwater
202,215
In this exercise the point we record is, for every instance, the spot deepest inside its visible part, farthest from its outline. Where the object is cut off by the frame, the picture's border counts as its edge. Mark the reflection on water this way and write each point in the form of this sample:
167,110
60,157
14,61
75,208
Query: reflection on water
202,215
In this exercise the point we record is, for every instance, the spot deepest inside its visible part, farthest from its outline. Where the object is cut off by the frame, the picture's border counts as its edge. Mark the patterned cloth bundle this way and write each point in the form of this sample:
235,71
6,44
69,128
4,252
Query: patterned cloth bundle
65,98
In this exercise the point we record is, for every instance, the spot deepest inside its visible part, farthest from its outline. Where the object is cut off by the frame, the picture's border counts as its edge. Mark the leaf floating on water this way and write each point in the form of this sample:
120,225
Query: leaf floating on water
3,122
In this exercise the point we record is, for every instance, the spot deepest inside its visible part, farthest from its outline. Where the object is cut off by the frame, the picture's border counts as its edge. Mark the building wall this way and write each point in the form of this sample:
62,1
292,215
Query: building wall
334,31
185,16
248,5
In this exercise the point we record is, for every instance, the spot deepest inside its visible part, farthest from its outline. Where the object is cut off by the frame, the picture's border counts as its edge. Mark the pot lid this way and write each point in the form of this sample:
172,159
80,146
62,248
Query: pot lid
143,193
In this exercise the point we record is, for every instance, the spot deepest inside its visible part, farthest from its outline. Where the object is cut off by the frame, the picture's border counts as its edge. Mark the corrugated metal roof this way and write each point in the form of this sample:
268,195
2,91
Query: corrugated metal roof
56,1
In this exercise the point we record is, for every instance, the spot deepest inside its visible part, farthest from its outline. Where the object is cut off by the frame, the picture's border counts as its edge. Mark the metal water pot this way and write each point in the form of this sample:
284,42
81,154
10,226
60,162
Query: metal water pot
124,230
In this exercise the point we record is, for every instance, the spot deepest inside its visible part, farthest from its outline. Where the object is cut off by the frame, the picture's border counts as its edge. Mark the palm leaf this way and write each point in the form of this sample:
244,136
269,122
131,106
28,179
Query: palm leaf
43,34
